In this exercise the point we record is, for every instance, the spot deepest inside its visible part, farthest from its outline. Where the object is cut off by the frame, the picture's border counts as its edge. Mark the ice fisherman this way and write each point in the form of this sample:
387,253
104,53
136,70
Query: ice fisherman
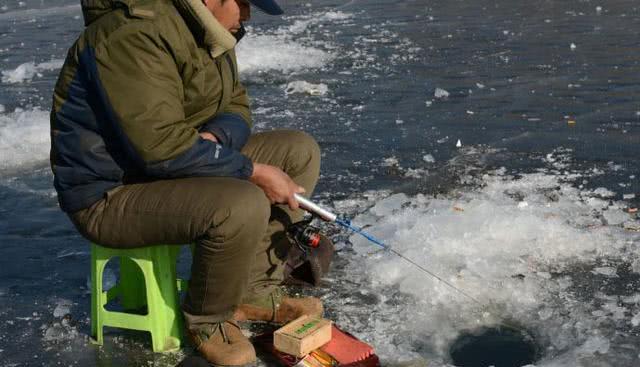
152,144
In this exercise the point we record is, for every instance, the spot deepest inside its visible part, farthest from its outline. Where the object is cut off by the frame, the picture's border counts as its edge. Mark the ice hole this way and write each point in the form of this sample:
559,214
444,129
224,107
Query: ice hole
494,346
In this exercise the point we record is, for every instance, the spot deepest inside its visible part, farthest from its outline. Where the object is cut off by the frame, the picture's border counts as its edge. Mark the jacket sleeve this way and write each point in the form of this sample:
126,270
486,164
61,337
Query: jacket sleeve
233,126
231,130
140,92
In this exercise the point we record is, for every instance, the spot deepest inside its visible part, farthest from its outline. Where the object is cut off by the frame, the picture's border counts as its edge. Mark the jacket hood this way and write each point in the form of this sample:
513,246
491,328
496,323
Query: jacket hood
204,26
94,9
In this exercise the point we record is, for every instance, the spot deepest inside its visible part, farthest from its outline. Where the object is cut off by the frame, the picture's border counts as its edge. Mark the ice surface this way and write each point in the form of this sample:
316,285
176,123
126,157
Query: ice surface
509,256
528,274
389,162
428,158
29,14
60,331
25,72
301,86
20,74
303,24
389,205
337,15
415,172
440,93
595,344
260,52
63,307
24,137
605,270
615,216
71,253
605,193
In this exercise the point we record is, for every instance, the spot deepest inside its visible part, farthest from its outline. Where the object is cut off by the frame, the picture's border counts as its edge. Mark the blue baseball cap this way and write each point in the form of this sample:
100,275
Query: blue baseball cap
268,6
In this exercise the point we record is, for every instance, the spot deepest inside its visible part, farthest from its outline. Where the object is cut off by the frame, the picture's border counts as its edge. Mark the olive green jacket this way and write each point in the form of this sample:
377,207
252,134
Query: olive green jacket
137,87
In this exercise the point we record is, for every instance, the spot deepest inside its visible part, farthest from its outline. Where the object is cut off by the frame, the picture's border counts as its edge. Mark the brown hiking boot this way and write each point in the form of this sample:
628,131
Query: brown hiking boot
222,344
278,309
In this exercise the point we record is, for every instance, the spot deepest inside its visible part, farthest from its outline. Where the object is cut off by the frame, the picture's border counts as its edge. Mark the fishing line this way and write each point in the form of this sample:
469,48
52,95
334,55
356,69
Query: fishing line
347,224
328,216
484,307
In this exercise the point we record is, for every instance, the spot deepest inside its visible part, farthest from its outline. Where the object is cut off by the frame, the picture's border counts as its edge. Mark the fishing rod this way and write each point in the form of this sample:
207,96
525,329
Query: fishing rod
328,216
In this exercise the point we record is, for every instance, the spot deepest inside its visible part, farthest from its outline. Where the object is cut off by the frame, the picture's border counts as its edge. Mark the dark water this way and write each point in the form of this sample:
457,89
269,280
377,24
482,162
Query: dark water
518,90
499,347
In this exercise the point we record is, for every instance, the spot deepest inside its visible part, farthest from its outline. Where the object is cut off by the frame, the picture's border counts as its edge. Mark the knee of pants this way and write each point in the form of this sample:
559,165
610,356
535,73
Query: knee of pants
248,213
304,151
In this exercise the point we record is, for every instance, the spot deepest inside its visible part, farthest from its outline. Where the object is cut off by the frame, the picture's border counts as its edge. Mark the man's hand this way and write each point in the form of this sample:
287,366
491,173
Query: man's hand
277,185
208,136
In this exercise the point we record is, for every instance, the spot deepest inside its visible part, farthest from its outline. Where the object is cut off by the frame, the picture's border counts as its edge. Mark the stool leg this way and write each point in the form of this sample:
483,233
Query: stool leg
131,285
172,296
158,312
162,297
152,270
97,296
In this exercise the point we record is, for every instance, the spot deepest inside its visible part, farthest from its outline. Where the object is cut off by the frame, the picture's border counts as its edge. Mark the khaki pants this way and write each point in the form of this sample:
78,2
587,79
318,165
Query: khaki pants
239,238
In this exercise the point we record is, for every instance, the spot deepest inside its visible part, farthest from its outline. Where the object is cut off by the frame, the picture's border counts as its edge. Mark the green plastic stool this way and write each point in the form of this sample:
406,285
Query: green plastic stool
155,285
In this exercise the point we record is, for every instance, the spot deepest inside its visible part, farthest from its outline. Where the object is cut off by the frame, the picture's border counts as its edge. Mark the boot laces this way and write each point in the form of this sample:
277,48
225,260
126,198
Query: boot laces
207,332
223,332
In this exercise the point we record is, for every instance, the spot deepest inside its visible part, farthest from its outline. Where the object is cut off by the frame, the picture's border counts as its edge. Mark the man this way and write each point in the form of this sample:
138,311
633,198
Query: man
151,144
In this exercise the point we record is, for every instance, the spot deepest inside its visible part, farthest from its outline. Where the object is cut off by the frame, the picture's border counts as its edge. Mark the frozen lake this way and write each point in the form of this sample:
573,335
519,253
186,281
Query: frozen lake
495,143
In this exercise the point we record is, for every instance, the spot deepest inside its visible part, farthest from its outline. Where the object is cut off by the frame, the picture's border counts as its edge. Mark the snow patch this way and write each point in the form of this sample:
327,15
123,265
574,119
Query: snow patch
301,86
515,259
441,93
63,307
27,71
24,137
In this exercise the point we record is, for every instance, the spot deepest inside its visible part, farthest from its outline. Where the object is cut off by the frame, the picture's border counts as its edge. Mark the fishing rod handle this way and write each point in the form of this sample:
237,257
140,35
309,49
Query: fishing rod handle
314,208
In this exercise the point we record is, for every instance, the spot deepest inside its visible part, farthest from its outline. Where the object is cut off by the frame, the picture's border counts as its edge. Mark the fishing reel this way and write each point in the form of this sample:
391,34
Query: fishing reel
304,235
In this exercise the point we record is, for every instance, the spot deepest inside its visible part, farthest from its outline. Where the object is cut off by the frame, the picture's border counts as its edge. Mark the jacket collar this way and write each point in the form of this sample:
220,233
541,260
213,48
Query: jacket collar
205,27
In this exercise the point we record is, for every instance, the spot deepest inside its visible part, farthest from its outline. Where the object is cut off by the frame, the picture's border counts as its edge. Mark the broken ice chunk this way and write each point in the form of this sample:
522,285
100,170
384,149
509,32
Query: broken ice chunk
301,86
62,308
607,271
428,158
441,93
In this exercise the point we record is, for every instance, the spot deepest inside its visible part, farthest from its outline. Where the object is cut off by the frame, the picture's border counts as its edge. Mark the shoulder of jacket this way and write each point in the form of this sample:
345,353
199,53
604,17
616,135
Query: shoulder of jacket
146,9
157,21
